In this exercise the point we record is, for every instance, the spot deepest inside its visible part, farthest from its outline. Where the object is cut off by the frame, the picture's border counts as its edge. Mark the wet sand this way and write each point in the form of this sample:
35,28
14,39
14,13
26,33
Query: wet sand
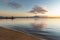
7,34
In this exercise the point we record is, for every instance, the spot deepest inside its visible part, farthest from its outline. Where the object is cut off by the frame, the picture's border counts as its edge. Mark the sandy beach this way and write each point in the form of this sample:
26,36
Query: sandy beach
7,34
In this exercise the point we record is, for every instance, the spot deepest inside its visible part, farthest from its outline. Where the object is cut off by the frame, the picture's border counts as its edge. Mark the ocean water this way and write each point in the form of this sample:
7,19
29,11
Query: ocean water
47,28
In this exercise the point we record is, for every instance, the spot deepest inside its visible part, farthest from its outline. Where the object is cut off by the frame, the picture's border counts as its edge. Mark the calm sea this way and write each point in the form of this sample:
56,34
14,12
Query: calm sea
45,27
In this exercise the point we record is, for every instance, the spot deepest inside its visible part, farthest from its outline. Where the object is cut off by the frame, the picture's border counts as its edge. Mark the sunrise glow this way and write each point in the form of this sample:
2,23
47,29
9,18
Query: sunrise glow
22,9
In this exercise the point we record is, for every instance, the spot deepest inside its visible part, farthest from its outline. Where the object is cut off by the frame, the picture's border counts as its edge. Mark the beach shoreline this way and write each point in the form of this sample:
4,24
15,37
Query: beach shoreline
7,34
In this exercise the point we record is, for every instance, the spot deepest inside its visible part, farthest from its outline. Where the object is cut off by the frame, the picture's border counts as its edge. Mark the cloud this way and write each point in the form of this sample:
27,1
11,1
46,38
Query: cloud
5,1
38,9
14,5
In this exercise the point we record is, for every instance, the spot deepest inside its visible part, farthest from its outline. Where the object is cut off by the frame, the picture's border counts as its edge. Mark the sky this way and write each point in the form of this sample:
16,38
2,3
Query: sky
22,7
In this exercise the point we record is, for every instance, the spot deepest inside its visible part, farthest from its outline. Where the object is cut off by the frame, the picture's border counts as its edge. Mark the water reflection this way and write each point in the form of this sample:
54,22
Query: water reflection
47,28
37,25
